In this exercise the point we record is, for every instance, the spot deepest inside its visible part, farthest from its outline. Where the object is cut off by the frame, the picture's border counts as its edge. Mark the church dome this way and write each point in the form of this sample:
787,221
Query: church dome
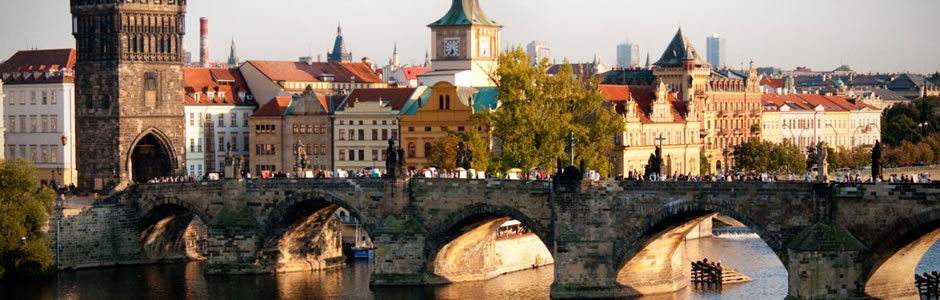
838,83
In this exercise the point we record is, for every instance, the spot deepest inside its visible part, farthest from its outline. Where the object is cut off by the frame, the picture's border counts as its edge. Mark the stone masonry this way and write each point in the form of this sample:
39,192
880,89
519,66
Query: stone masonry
607,238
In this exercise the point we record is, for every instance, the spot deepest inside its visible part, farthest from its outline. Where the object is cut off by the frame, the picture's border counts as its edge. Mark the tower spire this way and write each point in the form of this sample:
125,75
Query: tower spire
233,56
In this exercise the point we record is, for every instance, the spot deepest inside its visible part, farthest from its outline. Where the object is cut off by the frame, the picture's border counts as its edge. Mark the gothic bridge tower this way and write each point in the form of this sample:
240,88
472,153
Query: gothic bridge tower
129,94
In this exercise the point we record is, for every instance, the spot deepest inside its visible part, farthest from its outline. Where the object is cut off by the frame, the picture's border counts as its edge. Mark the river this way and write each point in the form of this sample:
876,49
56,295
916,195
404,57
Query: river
747,253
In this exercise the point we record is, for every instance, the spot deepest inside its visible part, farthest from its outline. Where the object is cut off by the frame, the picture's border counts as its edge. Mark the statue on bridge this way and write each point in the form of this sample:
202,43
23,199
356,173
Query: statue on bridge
876,162
302,160
233,163
655,164
394,160
464,156
822,153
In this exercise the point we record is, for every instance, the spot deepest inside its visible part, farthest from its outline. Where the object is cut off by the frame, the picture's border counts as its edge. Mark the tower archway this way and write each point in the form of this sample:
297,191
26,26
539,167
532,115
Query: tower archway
152,156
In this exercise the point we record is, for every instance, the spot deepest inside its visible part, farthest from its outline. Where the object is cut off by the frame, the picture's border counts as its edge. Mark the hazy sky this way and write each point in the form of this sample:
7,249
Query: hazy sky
869,35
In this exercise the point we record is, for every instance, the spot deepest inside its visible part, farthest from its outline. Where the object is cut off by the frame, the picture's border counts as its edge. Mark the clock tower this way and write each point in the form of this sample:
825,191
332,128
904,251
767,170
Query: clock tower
464,46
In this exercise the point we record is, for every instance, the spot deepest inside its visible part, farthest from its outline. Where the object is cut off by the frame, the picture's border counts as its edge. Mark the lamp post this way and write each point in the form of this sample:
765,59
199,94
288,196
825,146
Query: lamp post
571,142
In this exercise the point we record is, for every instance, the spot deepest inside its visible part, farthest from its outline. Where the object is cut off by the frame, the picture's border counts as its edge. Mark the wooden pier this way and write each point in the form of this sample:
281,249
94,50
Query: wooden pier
928,285
707,274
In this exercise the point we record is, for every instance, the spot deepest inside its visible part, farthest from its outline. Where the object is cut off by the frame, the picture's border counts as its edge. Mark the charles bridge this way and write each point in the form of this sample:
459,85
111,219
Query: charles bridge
607,239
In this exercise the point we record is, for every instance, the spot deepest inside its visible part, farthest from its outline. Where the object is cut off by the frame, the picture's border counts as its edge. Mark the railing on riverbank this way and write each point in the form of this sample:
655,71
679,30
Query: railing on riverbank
928,285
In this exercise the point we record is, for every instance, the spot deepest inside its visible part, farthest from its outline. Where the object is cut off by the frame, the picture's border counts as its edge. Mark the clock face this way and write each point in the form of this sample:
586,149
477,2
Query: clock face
484,47
451,48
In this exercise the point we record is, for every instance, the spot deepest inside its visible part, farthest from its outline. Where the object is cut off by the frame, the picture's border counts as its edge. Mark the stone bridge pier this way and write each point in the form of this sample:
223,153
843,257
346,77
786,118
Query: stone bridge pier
606,239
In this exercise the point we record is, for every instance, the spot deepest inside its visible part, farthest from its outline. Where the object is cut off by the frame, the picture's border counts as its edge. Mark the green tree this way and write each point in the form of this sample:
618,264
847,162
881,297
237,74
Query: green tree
787,158
24,209
444,152
704,166
902,122
538,111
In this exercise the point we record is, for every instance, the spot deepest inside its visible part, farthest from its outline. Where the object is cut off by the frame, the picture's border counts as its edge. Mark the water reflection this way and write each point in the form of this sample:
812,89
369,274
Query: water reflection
185,281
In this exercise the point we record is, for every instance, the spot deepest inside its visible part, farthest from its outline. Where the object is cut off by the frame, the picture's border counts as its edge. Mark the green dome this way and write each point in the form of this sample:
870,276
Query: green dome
838,83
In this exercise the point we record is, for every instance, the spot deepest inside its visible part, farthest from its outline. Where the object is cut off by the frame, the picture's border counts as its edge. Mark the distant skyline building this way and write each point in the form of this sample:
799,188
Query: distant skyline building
717,48
538,50
628,55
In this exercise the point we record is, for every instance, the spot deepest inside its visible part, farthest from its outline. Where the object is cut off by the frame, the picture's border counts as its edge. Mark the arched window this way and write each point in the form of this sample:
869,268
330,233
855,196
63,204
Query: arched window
411,150
447,102
427,150
441,102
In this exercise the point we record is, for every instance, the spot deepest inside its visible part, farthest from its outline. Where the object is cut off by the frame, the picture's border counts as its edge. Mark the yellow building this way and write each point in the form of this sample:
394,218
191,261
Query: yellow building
652,116
807,119
444,107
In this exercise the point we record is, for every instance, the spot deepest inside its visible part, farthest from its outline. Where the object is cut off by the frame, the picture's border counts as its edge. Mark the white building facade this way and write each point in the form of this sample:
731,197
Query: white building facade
217,108
39,112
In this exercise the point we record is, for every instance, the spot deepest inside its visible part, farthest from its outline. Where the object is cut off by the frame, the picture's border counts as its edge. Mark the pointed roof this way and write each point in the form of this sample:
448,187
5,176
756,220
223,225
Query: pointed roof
232,56
679,50
465,12
339,54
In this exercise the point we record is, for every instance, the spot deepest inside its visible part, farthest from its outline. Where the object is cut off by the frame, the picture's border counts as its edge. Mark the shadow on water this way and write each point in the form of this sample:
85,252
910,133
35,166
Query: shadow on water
185,281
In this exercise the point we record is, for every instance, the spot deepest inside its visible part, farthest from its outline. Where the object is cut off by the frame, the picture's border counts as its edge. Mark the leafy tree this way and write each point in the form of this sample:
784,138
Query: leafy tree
761,156
538,111
24,209
444,152
704,166
902,121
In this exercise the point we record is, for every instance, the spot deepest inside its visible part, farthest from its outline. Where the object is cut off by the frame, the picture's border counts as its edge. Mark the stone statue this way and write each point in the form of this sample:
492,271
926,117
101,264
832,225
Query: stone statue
655,163
460,155
301,157
468,158
391,161
464,156
823,164
233,163
876,162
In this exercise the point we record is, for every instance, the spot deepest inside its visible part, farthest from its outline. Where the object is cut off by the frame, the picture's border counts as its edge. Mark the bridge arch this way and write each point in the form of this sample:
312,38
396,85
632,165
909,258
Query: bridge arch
171,231
649,258
302,234
466,236
896,254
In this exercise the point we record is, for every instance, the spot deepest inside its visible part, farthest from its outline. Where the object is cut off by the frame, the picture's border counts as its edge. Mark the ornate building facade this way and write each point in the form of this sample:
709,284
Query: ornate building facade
129,87
282,125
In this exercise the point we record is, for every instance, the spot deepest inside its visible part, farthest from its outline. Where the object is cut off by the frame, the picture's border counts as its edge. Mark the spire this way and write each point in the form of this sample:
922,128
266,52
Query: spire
233,56
395,61
647,60
465,12
340,53
427,59
679,50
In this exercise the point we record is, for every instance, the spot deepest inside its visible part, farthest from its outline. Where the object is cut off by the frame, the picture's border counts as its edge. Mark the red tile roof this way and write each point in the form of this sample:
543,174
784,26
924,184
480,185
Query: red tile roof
811,101
298,71
776,83
644,95
28,62
274,108
204,80
411,73
396,97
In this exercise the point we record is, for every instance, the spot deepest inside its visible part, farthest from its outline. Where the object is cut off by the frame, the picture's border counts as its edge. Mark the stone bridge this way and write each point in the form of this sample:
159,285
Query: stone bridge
608,239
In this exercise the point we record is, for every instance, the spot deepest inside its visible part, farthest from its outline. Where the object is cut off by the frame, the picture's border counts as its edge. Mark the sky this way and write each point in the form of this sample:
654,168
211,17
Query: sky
868,35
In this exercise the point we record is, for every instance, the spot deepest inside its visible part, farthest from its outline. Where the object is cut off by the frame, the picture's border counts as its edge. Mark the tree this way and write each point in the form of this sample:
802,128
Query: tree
24,209
704,165
902,122
444,152
538,111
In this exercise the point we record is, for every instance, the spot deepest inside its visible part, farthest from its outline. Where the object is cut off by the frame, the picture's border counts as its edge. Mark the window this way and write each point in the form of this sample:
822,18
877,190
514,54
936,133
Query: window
375,134
342,134
192,119
352,134
198,145
53,97
441,101
375,122
362,134
11,98
245,121
22,98
192,170
427,129
362,155
411,150
45,97
394,134
352,155
221,144
411,129
32,97
384,134
22,125
247,145
150,89
45,123
32,153
192,145
221,120
460,128
32,123
427,150
447,102
43,153
234,120
53,153
342,154
375,155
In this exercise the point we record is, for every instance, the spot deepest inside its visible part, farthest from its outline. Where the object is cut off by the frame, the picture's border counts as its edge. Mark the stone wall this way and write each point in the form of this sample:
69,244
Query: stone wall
522,253
96,236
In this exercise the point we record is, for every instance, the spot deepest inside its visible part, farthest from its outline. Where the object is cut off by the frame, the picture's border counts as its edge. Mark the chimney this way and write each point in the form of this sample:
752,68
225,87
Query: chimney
318,58
204,42
306,60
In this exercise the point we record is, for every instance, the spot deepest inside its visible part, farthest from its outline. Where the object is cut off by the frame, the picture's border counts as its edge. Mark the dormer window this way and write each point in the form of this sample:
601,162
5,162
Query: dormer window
211,95
241,95
196,97
222,95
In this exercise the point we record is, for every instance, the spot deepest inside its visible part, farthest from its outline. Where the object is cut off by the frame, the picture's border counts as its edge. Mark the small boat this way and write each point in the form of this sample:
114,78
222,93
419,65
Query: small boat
363,249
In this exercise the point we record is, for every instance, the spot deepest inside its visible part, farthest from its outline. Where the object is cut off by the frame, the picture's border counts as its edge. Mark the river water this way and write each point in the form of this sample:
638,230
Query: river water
747,253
